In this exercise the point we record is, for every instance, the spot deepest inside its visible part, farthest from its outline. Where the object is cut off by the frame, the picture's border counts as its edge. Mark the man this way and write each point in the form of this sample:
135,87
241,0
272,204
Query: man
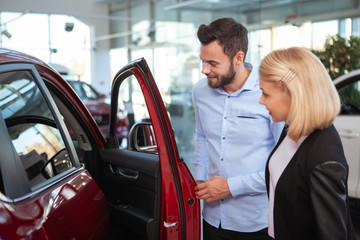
234,136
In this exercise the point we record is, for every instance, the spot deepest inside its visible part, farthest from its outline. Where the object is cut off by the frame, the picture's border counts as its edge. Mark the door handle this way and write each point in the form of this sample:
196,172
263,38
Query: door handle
126,173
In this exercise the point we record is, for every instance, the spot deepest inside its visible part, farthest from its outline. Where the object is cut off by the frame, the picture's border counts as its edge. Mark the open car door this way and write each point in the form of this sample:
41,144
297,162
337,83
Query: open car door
150,191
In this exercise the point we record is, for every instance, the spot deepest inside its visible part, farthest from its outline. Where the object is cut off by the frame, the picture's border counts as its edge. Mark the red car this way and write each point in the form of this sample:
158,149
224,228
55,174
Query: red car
100,109
56,187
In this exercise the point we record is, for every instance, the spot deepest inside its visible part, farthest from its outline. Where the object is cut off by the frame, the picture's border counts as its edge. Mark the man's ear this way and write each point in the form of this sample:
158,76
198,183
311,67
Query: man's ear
239,57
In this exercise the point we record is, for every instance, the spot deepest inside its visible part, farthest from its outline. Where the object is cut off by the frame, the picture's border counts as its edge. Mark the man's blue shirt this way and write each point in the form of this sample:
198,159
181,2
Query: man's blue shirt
234,137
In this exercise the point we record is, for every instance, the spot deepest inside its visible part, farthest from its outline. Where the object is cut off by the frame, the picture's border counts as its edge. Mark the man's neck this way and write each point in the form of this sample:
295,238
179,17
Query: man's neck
239,80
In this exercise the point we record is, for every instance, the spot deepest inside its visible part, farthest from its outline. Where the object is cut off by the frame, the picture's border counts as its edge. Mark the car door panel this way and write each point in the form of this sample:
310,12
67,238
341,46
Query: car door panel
132,185
53,210
174,199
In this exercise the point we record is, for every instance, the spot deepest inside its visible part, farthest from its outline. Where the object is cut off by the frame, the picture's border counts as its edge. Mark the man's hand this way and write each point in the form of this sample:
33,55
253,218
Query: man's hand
213,189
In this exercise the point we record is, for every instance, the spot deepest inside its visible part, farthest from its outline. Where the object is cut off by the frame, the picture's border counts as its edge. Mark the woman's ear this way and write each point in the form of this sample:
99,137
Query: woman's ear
239,57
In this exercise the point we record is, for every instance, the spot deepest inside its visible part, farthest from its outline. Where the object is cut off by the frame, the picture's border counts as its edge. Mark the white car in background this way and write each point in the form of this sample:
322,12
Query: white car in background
348,126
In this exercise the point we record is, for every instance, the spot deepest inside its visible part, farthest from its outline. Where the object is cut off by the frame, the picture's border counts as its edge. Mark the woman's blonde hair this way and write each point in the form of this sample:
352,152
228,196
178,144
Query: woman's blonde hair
314,99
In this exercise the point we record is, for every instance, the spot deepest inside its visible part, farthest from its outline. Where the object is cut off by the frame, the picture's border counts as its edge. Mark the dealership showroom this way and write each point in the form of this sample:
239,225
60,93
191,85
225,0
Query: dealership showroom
89,43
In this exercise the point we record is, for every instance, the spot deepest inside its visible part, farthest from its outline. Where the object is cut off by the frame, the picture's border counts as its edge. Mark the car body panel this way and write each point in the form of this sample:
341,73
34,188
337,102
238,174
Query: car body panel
349,131
348,126
41,218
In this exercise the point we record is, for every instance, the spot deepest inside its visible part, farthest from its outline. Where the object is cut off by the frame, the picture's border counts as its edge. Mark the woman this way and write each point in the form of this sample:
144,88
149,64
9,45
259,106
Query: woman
306,174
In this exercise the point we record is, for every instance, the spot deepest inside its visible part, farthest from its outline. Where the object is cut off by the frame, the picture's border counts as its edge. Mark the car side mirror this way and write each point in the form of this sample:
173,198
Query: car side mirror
142,138
59,163
48,169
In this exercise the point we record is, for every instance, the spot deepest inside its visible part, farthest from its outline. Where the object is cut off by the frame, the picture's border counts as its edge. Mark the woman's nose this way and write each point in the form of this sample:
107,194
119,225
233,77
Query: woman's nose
262,100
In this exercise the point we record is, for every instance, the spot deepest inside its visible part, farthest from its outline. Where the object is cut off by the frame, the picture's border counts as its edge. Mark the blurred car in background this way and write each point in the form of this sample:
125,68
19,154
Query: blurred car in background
99,107
98,104
348,126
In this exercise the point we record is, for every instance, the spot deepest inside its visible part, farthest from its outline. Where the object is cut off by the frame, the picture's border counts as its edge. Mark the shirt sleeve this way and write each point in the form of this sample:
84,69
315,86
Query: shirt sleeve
201,153
254,183
251,184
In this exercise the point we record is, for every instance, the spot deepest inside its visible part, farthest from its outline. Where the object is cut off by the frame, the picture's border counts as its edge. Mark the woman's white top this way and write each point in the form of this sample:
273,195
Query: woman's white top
277,164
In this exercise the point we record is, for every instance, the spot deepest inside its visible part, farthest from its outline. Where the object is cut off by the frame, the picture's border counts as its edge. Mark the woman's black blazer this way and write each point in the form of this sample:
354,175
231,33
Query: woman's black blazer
311,200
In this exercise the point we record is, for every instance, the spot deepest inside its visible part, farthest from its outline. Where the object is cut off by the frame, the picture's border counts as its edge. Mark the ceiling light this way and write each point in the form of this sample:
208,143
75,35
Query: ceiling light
6,33
69,26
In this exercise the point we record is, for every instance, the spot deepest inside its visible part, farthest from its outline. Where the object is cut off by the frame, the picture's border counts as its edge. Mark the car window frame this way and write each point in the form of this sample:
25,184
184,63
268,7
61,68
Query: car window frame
21,187
345,81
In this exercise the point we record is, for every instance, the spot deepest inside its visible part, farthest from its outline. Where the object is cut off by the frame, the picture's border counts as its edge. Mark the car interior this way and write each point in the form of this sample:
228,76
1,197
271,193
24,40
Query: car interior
33,133
129,178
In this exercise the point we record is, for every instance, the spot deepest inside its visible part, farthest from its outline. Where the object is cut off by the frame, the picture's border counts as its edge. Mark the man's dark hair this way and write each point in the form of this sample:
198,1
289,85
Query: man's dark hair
231,35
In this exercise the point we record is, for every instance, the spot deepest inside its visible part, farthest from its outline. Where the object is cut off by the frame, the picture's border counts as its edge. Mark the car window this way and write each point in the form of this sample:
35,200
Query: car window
84,90
182,117
77,87
89,92
350,99
32,128
136,109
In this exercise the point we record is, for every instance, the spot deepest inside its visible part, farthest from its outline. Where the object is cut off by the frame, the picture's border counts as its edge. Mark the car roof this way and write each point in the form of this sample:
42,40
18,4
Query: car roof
13,56
346,76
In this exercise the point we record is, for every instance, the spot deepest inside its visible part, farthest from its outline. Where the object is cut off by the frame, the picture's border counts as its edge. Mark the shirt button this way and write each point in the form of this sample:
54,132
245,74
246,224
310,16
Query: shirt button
225,117
228,96
221,159
223,138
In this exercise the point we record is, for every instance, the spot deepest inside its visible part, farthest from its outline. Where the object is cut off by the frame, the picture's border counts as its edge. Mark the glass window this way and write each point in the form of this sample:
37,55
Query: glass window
345,30
321,30
292,35
135,107
32,128
182,116
46,37
356,27
260,45
350,99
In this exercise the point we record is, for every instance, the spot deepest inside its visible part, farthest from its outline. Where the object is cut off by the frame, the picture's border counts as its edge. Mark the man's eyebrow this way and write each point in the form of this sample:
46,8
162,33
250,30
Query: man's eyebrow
210,61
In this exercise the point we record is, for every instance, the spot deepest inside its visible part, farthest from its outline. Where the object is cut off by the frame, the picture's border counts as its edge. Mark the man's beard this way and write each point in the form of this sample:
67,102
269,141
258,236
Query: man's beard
224,79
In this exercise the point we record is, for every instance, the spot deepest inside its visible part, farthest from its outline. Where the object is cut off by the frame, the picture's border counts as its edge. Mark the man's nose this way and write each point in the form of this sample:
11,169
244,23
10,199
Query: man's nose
205,68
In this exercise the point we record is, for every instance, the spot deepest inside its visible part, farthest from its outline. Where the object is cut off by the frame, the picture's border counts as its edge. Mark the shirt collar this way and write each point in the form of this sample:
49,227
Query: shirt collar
249,84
